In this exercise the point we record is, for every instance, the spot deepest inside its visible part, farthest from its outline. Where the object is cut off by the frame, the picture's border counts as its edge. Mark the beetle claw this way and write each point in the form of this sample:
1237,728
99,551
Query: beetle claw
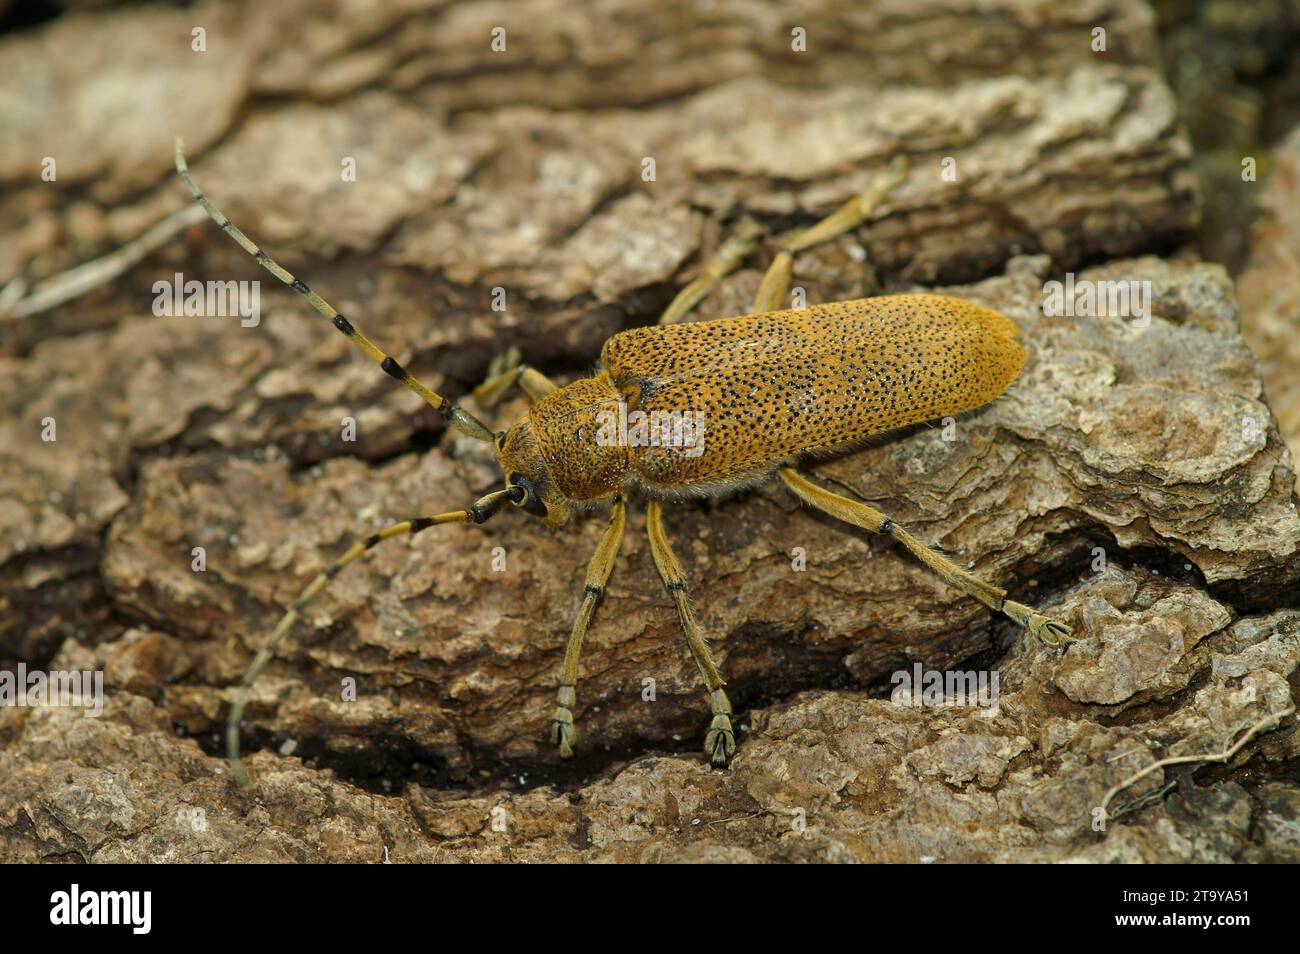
1052,632
720,742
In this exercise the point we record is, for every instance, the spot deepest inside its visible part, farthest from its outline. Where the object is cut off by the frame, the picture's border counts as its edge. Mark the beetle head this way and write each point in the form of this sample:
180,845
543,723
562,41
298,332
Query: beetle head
527,477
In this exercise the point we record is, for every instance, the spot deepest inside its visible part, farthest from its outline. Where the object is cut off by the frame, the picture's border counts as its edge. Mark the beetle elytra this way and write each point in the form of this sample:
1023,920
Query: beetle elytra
770,389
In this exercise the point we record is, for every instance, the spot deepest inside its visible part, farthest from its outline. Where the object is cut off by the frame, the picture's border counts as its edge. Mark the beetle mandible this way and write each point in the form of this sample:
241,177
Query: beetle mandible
770,389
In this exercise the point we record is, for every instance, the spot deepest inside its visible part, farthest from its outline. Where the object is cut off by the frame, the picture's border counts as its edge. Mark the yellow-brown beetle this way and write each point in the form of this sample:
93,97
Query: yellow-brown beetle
719,405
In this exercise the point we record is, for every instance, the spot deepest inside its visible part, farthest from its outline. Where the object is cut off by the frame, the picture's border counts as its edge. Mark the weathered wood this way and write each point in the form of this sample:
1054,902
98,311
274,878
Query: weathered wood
524,171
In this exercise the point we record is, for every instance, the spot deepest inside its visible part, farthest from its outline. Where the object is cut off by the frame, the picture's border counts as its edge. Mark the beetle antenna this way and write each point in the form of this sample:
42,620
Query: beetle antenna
480,512
454,414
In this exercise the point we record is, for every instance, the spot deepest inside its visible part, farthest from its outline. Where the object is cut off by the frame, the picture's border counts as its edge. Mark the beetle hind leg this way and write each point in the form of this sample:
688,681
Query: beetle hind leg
1052,632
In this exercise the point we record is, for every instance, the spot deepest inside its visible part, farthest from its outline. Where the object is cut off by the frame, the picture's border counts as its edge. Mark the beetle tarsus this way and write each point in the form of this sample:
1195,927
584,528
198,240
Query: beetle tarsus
720,742
1052,632
563,733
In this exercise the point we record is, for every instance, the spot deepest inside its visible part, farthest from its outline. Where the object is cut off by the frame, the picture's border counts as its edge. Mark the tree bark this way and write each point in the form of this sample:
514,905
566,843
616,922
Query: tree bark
1133,480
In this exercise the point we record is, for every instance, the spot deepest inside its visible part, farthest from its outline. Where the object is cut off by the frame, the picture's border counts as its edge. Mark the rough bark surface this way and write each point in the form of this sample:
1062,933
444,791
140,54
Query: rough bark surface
1270,289
1133,480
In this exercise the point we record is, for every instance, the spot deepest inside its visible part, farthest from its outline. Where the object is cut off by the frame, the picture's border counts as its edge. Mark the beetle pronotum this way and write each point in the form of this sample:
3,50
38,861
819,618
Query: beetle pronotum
774,388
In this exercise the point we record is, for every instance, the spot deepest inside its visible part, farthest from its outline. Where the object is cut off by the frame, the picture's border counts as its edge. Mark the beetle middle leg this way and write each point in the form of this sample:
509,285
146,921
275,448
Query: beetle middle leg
1051,631
776,282
720,741
563,733
734,250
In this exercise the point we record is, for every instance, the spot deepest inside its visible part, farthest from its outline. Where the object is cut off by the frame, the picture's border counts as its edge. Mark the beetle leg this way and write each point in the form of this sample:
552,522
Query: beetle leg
1051,631
720,741
737,247
563,733
776,283
505,371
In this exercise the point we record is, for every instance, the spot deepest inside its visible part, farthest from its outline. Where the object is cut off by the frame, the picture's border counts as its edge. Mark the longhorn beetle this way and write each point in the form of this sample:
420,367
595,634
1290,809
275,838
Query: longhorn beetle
773,388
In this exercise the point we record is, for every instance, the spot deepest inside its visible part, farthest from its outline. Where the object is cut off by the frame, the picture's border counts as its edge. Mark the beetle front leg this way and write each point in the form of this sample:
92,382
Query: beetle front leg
720,740
563,732
506,370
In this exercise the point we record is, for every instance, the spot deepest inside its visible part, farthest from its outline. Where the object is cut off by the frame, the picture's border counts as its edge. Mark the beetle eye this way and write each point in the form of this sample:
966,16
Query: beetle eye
526,496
